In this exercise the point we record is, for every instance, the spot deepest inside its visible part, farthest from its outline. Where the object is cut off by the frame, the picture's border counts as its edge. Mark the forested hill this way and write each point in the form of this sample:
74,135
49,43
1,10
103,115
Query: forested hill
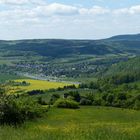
58,48
124,72
127,44
131,66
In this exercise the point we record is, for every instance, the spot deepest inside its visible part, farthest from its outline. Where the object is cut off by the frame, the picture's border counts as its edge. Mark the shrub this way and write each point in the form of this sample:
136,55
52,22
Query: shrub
121,96
130,102
97,102
2,90
137,104
15,111
10,112
93,85
75,95
90,96
70,87
82,85
110,99
35,92
54,98
104,96
137,97
119,103
84,101
65,103
42,101
30,109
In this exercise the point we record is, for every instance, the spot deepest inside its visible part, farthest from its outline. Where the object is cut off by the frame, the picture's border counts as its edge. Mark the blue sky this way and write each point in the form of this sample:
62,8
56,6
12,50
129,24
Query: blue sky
69,19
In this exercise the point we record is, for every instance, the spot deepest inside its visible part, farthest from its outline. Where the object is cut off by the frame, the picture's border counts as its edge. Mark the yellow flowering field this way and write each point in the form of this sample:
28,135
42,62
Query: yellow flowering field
40,84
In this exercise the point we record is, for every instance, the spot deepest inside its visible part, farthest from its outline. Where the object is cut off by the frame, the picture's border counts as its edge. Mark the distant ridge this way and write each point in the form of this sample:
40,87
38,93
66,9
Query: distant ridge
126,37
115,37
56,48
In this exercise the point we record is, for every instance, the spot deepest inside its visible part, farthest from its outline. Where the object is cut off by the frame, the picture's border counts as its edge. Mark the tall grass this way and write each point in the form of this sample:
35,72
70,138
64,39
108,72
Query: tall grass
87,123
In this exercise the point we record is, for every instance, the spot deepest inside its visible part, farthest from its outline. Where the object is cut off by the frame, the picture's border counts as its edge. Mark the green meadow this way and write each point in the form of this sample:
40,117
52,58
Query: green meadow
86,123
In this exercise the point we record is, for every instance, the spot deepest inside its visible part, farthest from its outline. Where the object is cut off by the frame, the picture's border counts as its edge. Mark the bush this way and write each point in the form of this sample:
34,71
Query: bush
2,90
10,112
65,103
15,111
54,98
97,102
121,96
137,104
35,92
90,96
84,101
42,101
30,109
104,96
129,102
110,99
75,95
119,103
82,85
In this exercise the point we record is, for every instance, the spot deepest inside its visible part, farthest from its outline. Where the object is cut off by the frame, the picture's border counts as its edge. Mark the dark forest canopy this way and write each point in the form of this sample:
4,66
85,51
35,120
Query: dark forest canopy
60,48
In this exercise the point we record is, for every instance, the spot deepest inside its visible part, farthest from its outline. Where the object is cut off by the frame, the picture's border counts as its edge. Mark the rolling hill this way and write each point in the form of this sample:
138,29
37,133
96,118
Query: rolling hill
130,66
62,48
66,58
135,37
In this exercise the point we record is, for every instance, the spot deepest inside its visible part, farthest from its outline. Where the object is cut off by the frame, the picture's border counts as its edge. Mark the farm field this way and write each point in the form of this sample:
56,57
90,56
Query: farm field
86,123
5,77
40,84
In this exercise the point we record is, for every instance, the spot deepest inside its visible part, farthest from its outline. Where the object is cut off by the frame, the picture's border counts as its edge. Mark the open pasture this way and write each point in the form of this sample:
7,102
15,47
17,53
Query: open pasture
86,123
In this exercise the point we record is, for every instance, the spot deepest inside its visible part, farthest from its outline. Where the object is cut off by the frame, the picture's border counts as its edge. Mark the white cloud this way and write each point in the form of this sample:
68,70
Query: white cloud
131,10
14,1
42,8
16,14
95,10
21,2
61,9
56,9
135,9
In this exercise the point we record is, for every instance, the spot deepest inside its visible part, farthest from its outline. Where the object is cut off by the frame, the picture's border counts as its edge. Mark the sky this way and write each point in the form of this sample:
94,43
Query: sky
68,19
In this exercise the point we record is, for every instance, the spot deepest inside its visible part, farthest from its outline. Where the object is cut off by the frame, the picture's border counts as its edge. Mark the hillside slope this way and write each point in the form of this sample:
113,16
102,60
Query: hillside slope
130,66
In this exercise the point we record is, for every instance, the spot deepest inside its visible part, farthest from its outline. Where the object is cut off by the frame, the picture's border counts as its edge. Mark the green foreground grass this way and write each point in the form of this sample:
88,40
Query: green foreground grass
86,123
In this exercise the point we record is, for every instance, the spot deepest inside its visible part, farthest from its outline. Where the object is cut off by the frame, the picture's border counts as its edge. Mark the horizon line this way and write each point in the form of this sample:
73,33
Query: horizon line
129,34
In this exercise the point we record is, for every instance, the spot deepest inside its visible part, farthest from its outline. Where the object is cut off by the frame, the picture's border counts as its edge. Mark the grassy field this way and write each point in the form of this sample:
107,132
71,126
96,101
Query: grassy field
4,77
39,84
86,123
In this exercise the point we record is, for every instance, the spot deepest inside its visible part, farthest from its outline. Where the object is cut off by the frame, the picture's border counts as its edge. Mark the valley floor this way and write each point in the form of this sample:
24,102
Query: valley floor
86,123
